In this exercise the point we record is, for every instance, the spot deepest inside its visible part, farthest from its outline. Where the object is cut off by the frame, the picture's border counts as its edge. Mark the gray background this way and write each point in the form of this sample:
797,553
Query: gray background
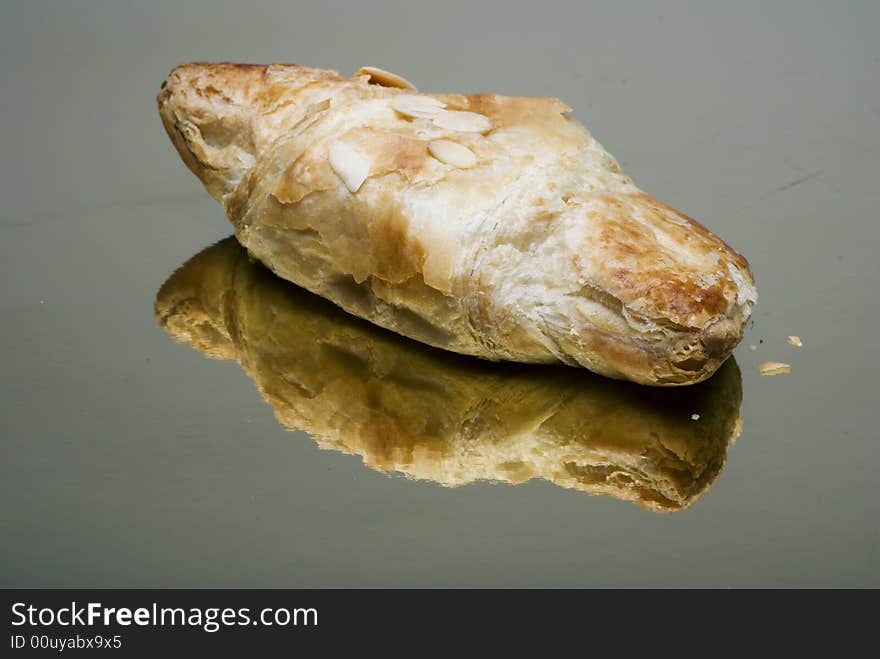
129,460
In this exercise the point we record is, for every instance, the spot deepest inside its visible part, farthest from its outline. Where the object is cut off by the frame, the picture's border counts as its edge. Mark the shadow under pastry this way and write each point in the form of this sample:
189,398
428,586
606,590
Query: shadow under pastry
438,416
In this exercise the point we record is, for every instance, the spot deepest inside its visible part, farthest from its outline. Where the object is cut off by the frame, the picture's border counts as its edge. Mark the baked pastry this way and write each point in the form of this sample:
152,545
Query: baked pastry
409,408
487,225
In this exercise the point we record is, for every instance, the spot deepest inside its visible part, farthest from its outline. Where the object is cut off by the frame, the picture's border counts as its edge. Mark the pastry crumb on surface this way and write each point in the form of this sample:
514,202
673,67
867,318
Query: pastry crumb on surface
795,341
753,347
695,417
774,368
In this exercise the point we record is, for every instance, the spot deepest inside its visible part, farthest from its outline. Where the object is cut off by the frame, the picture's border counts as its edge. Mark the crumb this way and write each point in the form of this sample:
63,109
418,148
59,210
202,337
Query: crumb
753,347
774,368
695,417
795,341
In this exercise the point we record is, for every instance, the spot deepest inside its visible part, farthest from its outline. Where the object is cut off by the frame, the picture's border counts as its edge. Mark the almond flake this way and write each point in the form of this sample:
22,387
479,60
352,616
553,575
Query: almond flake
774,368
465,122
795,341
385,78
423,107
349,164
452,153
318,106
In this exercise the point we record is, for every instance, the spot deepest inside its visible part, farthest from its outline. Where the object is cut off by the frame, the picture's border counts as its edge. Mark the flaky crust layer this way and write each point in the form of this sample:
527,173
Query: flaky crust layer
521,240
408,408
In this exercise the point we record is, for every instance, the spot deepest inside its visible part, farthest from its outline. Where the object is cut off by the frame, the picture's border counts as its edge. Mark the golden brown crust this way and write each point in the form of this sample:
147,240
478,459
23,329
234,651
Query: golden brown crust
445,418
535,247
220,115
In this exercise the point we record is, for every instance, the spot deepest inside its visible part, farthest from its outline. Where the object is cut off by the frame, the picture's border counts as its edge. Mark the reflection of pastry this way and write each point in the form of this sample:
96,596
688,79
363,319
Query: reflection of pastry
451,419
487,225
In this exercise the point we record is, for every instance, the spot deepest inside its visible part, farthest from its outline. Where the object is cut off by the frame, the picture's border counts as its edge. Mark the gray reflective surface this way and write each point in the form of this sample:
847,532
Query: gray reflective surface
131,460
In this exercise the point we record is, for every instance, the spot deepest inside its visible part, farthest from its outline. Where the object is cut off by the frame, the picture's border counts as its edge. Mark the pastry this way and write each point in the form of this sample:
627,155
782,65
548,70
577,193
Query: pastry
487,225
408,408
